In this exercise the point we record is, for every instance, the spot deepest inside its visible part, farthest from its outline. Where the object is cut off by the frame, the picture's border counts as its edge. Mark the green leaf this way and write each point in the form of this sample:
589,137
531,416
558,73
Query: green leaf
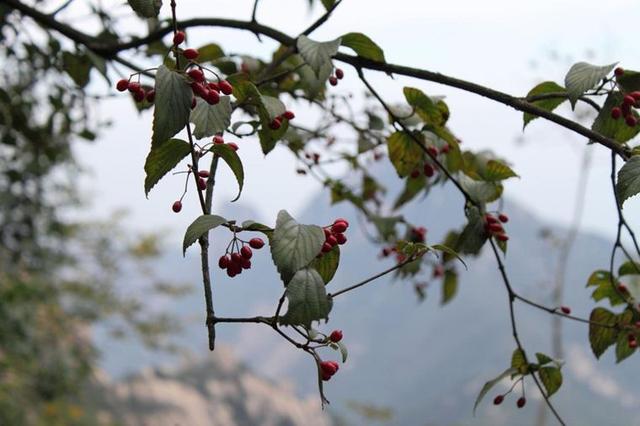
629,81
583,76
363,46
251,225
615,129
496,171
602,280
211,119
146,8
412,187
328,4
327,264
199,227
343,351
519,362
386,226
429,111
629,268
491,383
545,104
162,159
273,106
628,183
308,300
404,153
600,337
294,246
317,54
543,359
551,378
233,161
481,192
473,236
209,52
172,105
449,286
78,67
448,250
623,351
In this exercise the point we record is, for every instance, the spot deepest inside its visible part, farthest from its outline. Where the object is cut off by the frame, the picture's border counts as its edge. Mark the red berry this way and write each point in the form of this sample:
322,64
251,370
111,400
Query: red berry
616,113
498,400
246,263
236,258
428,170
521,401
213,86
415,174
327,232
565,310
339,227
134,87
256,243
628,100
635,94
333,81
335,336
122,85
275,124
178,38
503,218
619,72
329,367
177,206
445,149
490,219
196,74
326,247
346,222
203,173
438,271
432,150
190,54
139,95
225,87
289,115
233,146
339,73
246,252
332,240
622,288
224,261
231,272
151,96
502,237
631,120
212,97
217,139
199,89
496,227
341,238
202,184
626,109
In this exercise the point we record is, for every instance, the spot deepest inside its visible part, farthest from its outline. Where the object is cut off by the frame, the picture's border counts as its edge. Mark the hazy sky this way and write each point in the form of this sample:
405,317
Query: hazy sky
502,44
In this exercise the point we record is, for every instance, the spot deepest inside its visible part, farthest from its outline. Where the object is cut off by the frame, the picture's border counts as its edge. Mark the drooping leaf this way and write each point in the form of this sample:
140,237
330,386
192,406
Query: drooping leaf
629,268
199,227
481,192
172,104
251,225
428,110
343,351
308,300
583,76
404,153
519,362
601,337
211,119
496,171
412,187
448,250
628,183
449,286
317,54
543,359
146,8
363,46
550,104
162,159
551,378
604,288
615,129
233,161
327,264
473,236
491,383
294,246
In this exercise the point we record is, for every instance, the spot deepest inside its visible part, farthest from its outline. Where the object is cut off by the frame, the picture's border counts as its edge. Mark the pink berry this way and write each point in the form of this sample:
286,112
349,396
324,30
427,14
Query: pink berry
212,97
341,238
339,227
203,173
134,87
335,336
190,54
332,240
502,237
428,170
139,95
217,139
631,120
628,99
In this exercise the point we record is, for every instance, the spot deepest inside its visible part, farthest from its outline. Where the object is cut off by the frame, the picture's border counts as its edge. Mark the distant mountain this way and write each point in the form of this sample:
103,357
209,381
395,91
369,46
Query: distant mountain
423,362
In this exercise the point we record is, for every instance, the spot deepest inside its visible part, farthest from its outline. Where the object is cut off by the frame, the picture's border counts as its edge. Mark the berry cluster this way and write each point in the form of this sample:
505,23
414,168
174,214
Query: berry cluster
334,235
137,91
429,169
328,369
238,256
219,140
207,90
519,403
494,228
414,235
276,123
625,109
339,75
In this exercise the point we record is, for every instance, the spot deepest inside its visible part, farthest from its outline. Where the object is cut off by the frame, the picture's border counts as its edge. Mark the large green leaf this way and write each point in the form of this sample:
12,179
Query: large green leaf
473,236
209,52
546,104
583,76
601,337
496,171
308,300
162,159
628,183
412,187
199,227
211,119
404,153
294,246
481,192
327,264
317,54
233,161
491,383
78,66
429,111
146,8
449,285
604,288
363,46
172,104
615,129
551,378
629,268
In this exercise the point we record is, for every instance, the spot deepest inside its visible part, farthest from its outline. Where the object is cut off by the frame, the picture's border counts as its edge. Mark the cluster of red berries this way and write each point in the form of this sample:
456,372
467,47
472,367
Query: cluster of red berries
494,228
625,109
415,235
632,341
519,403
202,185
238,256
429,169
334,235
219,140
329,368
339,75
276,123
136,89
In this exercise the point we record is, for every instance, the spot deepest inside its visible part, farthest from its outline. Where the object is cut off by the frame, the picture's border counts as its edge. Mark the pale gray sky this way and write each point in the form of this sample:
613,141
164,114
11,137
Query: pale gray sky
494,43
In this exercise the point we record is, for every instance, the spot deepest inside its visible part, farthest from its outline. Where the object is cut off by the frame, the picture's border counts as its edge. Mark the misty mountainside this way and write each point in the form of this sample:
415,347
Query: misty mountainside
418,363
